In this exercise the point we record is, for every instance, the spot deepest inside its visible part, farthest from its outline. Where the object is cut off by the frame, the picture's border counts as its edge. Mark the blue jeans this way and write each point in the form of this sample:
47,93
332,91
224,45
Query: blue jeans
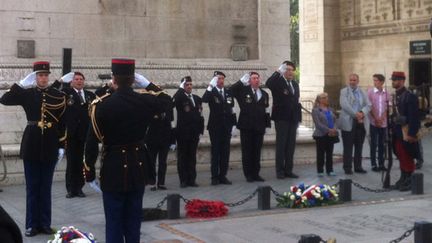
39,177
123,216
377,135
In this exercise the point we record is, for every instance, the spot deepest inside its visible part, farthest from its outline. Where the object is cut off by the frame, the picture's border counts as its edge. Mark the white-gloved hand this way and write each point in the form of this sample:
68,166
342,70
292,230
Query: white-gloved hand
267,130
213,82
245,79
141,81
234,131
182,83
172,147
29,81
283,68
60,155
67,78
95,185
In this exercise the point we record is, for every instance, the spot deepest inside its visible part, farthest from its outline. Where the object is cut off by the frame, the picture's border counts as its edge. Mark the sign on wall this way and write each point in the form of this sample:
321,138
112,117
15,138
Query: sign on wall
420,47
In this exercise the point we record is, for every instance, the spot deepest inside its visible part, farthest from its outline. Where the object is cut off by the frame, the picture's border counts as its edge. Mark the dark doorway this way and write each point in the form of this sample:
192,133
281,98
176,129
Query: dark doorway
420,79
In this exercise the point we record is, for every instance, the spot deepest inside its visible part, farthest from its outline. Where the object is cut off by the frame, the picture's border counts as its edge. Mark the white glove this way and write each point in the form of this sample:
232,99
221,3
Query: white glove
95,185
67,78
245,79
28,81
267,130
213,82
172,147
182,83
234,131
283,68
141,81
60,156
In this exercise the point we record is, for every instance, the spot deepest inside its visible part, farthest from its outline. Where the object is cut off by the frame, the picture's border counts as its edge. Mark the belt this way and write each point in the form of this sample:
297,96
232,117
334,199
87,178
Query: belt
32,123
40,124
124,147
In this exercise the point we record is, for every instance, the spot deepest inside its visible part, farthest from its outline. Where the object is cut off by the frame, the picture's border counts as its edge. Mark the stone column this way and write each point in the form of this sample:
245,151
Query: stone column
319,48
274,33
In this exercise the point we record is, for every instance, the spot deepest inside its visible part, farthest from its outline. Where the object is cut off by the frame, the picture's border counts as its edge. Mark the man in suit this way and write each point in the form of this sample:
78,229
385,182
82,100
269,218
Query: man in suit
43,136
221,122
252,122
120,121
355,107
190,124
286,114
77,124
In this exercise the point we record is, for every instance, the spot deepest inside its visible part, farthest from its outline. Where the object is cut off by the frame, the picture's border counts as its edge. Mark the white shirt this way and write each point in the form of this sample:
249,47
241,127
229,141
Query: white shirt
80,92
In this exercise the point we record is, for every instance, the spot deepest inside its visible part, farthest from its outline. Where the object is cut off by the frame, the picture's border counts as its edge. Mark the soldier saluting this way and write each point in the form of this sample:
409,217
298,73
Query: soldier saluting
44,107
120,121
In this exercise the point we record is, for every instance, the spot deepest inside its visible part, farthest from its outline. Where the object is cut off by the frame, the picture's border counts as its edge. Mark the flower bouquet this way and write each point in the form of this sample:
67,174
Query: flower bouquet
304,196
72,235
197,208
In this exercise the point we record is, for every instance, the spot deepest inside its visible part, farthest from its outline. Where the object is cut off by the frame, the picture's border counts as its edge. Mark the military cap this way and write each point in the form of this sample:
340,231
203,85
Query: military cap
218,73
397,75
121,66
41,67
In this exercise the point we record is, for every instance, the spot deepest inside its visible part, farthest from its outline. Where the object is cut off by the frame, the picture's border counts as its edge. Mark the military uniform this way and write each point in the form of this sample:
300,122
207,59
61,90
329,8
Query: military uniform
286,112
253,120
42,137
120,121
220,123
190,124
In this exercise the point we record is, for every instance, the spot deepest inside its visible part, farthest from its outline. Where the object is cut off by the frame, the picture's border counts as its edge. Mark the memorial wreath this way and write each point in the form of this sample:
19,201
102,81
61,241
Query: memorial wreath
197,208
72,235
304,196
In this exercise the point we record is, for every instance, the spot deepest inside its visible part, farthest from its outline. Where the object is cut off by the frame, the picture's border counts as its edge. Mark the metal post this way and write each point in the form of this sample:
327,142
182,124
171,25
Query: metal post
67,60
310,238
423,232
173,206
264,197
345,190
417,184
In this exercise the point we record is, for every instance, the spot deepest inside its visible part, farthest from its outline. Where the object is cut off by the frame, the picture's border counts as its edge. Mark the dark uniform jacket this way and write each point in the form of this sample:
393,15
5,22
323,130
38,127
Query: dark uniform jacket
221,110
9,230
121,121
45,130
253,114
286,105
190,122
160,130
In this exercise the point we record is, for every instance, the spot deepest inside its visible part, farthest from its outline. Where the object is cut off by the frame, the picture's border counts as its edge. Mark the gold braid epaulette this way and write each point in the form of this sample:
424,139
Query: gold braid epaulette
92,114
151,92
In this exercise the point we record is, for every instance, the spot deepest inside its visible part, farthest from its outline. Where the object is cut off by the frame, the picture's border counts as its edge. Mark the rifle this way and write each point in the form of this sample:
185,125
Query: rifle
389,138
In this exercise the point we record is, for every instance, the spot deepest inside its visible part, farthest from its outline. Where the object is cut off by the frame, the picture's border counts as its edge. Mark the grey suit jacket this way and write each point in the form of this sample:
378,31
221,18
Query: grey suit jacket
321,123
348,114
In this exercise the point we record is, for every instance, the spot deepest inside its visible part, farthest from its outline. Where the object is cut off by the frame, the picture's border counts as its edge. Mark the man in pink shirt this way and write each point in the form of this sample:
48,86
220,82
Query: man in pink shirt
379,98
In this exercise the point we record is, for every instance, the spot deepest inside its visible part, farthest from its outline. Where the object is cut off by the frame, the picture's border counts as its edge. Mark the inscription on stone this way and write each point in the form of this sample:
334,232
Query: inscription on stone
25,48
310,13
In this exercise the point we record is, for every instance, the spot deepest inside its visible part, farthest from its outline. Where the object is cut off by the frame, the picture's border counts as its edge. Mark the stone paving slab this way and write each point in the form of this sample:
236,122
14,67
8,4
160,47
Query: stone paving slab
245,223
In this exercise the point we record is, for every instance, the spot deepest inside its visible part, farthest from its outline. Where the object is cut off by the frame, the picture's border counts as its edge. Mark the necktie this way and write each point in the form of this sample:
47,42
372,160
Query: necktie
221,94
255,95
82,101
290,86
191,98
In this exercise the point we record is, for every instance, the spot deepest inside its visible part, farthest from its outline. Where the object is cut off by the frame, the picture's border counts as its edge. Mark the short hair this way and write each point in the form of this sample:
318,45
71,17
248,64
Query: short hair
124,80
318,97
289,63
380,77
80,74
355,75
253,73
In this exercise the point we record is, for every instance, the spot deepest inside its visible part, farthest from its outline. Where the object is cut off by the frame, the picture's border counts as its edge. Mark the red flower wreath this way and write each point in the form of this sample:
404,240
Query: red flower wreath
197,208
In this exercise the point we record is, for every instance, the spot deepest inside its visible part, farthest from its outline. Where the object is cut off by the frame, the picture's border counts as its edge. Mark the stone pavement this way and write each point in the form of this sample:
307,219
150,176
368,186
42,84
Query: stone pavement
370,217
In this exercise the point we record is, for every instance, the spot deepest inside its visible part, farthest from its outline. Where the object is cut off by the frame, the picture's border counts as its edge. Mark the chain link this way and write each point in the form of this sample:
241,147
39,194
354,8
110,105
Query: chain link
185,200
243,201
277,194
404,235
369,189
161,203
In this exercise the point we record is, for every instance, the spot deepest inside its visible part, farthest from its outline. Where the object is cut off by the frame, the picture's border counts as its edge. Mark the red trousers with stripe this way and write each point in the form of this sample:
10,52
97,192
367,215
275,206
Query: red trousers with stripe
406,162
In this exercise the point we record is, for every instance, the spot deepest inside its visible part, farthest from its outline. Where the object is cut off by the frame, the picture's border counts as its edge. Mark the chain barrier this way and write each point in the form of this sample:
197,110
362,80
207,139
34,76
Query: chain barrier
243,201
185,200
161,203
405,235
277,194
369,189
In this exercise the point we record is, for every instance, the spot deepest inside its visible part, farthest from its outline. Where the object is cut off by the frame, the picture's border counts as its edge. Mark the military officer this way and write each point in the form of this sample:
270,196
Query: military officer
77,124
44,107
222,121
190,124
252,122
119,121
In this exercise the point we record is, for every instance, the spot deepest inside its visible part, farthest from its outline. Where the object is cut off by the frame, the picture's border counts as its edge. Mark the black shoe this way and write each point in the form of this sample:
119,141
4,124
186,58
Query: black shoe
214,182
249,179
153,188
225,181
258,178
376,169
80,194
348,172
161,187
183,185
419,165
70,195
30,232
382,168
291,175
280,177
46,230
361,171
193,184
